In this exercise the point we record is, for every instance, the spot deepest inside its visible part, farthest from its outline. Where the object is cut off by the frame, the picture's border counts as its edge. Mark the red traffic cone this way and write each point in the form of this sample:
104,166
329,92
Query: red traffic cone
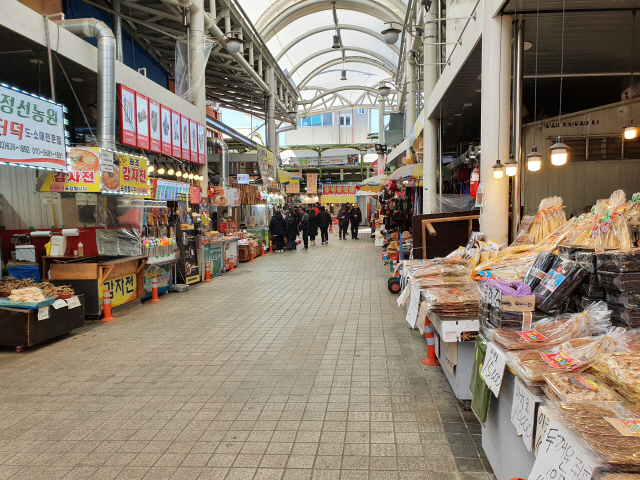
154,291
107,307
431,360
232,269
270,247
207,272
252,259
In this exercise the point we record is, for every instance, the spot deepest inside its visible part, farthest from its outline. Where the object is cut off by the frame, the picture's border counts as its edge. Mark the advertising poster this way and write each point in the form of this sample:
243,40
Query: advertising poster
202,147
122,289
155,134
133,174
338,193
312,183
83,175
168,190
213,253
165,114
325,161
194,195
163,275
224,197
176,143
293,186
193,133
127,116
142,119
266,164
184,135
31,131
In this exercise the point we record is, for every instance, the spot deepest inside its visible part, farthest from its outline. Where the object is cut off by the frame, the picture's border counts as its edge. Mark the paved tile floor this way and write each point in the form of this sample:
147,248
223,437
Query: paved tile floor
297,366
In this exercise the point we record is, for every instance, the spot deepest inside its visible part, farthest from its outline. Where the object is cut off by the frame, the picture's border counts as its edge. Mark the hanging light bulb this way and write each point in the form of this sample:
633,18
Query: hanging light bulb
161,171
171,171
383,90
391,35
558,152
630,131
191,175
534,160
498,170
511,167
178,174
151,168
234,45
343,77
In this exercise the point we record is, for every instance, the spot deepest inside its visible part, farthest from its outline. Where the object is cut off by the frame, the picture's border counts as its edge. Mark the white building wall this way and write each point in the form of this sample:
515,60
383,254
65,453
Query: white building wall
334,134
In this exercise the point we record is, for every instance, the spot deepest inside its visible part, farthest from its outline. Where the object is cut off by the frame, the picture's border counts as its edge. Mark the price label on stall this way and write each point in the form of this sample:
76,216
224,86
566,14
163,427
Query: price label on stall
73,302
559,457
542,423
404,295
414,304
493,368
59,304
523,413
43,313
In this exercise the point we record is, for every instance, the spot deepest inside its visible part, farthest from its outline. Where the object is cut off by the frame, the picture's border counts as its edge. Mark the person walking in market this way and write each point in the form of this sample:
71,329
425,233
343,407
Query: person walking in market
343,223
324,220
292,231
304,227
278,229
356,219
313,225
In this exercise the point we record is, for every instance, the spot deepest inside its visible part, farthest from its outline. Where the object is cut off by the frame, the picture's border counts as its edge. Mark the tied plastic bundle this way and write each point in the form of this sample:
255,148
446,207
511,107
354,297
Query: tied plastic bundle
549,218
441,266
478,249
543,262
621,370
455,299
632,213
550,332
511,265
571,356
523,237
562,278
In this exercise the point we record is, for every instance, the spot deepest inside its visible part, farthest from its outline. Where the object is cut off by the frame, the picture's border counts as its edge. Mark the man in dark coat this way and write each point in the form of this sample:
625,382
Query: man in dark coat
324,220
278,229
292,231
356,220
304,227
343,222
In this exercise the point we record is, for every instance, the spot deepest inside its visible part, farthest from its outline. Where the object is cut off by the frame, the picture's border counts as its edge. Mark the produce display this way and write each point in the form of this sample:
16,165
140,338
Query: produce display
622,370
580,387
9,284
28,294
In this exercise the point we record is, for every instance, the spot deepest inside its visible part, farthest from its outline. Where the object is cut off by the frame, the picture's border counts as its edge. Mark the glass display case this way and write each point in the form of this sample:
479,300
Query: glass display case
255,216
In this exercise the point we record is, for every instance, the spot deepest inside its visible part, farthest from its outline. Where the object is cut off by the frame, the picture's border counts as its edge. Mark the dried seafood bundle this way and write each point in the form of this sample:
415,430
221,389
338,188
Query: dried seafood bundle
29,294
9,283
51,290
549,218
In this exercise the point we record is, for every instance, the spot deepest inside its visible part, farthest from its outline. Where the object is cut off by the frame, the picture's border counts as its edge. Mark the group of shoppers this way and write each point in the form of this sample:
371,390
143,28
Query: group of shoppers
307,221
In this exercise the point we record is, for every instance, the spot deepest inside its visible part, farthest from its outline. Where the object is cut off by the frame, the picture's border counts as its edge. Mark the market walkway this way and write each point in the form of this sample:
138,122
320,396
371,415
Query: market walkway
297,366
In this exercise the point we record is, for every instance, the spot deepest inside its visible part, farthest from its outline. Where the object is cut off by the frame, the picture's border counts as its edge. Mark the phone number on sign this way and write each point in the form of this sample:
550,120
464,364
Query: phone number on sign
25,149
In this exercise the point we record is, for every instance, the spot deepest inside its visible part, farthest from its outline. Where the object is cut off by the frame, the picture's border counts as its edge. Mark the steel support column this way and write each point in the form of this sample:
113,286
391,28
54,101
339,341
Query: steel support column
271,111
517,127
196,61
430,145
381,110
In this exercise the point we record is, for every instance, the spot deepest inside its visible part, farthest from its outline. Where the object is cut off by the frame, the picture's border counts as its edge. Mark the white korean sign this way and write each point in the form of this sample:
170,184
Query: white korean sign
523,413
243,179
493,369
414,305
31,130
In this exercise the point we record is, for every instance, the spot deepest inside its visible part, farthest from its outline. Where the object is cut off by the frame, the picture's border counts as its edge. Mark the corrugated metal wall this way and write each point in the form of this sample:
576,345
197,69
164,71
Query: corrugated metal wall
21,204
580,184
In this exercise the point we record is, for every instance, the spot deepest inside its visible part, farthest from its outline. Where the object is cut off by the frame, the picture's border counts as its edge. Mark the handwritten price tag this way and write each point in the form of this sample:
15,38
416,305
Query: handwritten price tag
59,304
493,369
414,304
73,302
43,313
542,423
523,413
404,295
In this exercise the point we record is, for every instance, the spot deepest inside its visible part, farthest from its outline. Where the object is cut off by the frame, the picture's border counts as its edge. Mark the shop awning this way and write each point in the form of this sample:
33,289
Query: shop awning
408,171
287,177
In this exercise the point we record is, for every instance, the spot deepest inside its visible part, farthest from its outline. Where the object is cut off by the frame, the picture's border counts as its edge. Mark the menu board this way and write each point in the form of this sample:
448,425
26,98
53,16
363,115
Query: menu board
176,144
184,134
155,137
133,174
167,190
142,119
127,116
202,147
165,131
194,195
193,130
339,190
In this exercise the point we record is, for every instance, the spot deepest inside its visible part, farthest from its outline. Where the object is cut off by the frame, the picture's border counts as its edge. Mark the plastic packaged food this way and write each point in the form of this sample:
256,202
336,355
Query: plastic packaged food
543,262
590,287
512,320
587,260
621,370
616,476
549,218
553,331
619,261
623,282
523,237
453,300
580,387
443,267
628,316
561,279
623,299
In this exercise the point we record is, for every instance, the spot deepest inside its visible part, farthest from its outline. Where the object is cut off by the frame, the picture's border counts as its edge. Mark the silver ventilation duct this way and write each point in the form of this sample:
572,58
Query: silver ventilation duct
224,161
90,27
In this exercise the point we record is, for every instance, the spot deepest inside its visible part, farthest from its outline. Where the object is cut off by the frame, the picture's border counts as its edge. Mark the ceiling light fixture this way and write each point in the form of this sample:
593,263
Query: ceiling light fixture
498,170
343,77
528,45
234,45
534,160
384,90
391,35
178,174
511,167
161,171
336,42
558,150
171,171
191,175
150,168
630,131
292,115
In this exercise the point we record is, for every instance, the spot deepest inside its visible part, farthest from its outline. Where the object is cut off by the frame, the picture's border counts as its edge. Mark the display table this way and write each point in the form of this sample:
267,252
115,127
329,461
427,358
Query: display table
454,346
90,276
229,252
21,328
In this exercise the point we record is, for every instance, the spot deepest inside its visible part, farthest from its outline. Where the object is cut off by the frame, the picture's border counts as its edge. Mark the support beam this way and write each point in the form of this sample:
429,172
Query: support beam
517,127
430,133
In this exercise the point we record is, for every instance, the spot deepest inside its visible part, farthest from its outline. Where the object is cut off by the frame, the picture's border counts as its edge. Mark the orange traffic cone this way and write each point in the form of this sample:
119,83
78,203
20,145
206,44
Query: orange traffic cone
431,360
107,307
207,272
270,247
232,269
154,291
252,259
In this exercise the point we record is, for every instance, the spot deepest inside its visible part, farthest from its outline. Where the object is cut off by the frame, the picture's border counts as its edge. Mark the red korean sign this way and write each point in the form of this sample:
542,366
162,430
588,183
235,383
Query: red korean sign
155,127
165,129
202,145
142,121
184,135
127,111
176,144
193,135
194,194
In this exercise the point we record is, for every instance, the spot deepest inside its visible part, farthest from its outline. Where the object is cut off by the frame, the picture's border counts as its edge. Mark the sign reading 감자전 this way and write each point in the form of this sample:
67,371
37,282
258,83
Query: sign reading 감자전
31,130
83,173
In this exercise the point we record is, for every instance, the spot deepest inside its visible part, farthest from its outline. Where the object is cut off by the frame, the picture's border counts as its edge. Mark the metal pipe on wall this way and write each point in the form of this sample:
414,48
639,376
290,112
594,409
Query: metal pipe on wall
516,186
117,29
224,159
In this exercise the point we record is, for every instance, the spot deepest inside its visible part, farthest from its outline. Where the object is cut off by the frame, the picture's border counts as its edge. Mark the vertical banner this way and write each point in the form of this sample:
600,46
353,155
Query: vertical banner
127,116
202,146
133,174
142,119
293,186
155,136
193,132
165,113
184,134
312,183
176,144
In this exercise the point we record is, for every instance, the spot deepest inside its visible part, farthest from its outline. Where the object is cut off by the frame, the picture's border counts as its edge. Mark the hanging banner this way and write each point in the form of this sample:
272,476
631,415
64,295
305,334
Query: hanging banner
202,148
184,135
312,183
83,175
194,195
142,119
155,137
176,144
224,196
127,116
325,161
193,129
31,130
165,131
266,164
133,174
338,193
293,186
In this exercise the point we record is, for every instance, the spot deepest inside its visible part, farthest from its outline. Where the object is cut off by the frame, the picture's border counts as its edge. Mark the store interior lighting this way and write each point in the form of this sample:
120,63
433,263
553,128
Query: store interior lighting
534,160
161,171
558,152
171,171
630,131
151,168
498,169
511,167
178,174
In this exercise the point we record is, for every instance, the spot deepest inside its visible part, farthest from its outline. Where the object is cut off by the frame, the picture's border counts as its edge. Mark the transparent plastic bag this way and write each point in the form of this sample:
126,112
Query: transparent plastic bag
628,316
580,387
623,299
623,282
119,242
621,370
619,261
549,218
561,279
523,237
587,260
442,266
512,320
543,262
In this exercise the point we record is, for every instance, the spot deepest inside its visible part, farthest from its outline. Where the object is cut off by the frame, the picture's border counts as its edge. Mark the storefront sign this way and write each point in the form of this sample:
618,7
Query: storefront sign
165,114
83,174
168,190
31,130
293,186
266,164
176,143
133,175
243,179
155,135
202,147
127,116
193,129
312,183
142,121
184,135
163,274
213,253
339,190
325,161
122,289
194,195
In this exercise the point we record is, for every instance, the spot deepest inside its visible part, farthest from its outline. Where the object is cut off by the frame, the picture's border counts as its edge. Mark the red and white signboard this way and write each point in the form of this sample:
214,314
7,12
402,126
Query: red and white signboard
127,116
202,146
184,134
165,129
155,137
142,121
193,132
176,145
